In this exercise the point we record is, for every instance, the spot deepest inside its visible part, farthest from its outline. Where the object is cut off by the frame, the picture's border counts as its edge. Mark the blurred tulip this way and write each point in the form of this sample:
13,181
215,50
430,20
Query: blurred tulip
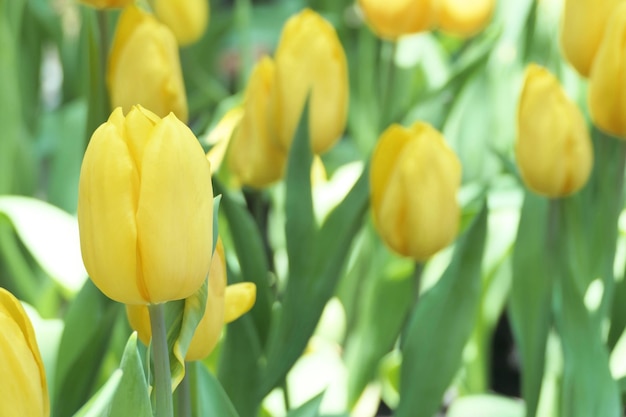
102,4
254,157
607,98
414,179
188,19
219,138
310,61
391,19
553,148
23,389
224,304
465,17
582,28
144,66
145,209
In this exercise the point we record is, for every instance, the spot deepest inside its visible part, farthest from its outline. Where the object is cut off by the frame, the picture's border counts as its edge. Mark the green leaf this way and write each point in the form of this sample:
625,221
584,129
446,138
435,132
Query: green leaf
238,369
181,319
440,327
88,327
309,409
98,405
208,396
131,397
531,297
251,256
385,303
292,329
486,405
50,235
300,228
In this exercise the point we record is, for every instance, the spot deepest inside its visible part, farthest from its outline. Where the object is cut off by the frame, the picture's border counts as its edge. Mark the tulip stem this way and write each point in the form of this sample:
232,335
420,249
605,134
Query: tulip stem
387,93
161,362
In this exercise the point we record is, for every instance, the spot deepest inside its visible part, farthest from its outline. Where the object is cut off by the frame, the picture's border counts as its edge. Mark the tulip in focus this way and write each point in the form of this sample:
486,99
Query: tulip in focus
607,97
391,19
224,304
144,66
23,388
553,148
582,29
188,19
465,17
105,4
145,209
254,157
310,61
414,179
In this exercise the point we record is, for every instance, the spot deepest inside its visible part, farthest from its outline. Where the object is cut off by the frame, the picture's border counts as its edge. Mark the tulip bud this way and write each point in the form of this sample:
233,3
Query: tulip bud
607,98
188,19
392,19
310,61
582,28
23,389
104,4
465,17
145,209
223,305
253,156
144,66
414,179
553,148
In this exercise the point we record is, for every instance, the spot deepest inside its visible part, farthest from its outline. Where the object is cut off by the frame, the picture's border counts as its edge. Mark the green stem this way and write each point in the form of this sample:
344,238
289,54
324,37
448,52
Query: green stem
243,12
390,77
286,398
161,361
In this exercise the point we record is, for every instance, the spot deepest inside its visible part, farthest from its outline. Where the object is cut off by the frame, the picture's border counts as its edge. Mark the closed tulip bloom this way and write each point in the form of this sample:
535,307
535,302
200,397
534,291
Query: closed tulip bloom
103,4
224,304
582,29
607,97
23,388
254,157
310,60
188,19
145,209
391,19
414,179
553,148
144,66
465,17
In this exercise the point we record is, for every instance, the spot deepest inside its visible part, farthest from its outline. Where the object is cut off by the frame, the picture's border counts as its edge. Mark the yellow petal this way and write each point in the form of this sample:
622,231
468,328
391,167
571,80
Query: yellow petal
221,135
23,390
107,203
310,60
174,213
187,19
239,299
393,18
144,66
465,17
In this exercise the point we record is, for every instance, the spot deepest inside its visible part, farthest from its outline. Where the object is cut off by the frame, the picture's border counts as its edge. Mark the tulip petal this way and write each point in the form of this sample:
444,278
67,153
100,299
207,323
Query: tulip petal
239,299
108,190
175,213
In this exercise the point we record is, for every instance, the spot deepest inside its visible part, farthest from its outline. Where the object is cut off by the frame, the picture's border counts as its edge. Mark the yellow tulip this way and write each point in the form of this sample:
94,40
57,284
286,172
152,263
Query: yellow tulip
310,60
553,148
465,17
188,19
144,66
254,157
103,4
391,19
607,98
582,29
414,179
224,304
145,209
23,389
